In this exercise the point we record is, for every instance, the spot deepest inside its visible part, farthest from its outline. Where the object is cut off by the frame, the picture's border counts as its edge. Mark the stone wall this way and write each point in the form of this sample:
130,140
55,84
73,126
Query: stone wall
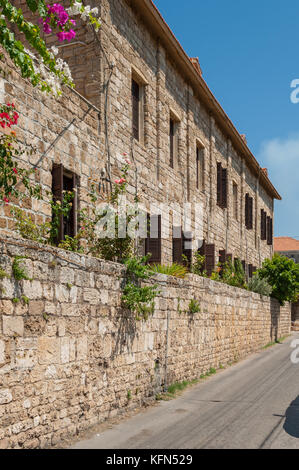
70,357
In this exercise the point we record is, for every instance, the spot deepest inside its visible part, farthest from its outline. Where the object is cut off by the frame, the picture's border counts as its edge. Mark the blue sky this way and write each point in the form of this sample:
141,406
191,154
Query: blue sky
249,55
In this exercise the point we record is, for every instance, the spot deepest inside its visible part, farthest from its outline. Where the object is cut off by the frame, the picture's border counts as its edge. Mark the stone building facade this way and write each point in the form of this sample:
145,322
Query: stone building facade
185,148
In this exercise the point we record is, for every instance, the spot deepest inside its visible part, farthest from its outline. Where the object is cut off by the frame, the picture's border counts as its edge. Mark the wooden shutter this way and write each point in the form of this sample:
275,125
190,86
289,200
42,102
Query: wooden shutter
57,188
153,244
224,188
244,266
171,136
246,210
210,258
219,180
135,109
250,226
254,268
269,230
262,224
177,245
222,256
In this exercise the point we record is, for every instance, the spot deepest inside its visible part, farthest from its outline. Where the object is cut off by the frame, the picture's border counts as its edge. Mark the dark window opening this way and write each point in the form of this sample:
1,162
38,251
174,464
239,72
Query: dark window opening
221,186
135,109
153,242
248,212
63,180
172,141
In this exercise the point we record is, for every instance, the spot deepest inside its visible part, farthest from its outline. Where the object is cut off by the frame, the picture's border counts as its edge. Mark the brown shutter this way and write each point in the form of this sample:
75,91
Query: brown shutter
219,180
222,256
250,213
269,231
135,109
224,188
171,136
153,245
177,245
57,188
254,268
246,210
210,259
262,224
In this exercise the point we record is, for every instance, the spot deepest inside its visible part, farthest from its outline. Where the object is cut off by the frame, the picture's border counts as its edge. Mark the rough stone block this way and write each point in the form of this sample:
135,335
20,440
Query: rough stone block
13,326
48,350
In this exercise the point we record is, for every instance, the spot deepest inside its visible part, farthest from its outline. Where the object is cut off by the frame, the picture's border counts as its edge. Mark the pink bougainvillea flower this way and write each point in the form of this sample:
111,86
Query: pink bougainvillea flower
122,180
15,171
6,200
128,161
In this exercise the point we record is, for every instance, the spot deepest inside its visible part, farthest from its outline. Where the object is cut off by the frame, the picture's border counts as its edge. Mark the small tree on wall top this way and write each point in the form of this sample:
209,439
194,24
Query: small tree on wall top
282,274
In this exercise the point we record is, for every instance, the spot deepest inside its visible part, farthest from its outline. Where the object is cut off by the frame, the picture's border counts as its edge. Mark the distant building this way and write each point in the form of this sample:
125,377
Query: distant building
287,246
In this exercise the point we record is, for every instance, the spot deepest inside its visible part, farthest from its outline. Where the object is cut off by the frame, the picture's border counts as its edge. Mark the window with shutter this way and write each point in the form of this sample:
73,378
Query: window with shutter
250,270
222,259
210,258
269,231
135,108
172,141
244,266
177,245
219,180
57,188
63,180
235,201
187,247
250,226
153,242
262,224
221,186
224,188
248,212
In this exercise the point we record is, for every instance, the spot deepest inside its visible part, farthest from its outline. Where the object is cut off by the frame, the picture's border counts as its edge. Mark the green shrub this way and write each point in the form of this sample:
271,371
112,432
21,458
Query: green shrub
260,286
136,298
175,270
282,274
19,272
194,307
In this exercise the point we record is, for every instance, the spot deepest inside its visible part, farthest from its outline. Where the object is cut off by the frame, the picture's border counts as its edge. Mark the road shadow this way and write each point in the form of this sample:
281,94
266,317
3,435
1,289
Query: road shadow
291,425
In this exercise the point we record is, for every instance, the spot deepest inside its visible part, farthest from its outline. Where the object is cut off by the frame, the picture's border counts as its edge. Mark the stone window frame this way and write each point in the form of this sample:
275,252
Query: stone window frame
140,79
235,200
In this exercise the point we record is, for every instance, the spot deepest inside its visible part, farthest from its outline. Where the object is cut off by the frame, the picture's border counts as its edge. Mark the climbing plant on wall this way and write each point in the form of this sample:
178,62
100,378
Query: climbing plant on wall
41,65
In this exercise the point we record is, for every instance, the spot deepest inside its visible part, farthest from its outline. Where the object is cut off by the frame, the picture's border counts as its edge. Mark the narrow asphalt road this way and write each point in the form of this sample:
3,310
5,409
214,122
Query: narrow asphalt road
252,405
